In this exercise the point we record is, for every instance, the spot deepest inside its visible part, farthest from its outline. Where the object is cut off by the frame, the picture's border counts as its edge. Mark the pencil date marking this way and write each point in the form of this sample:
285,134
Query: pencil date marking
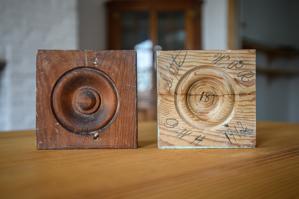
237,130
181,133
177,61
243,74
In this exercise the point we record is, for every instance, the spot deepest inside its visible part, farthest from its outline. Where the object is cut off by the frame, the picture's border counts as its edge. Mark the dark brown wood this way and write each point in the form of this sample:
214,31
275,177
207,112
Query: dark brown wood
233,34
154,27
86,99
159,5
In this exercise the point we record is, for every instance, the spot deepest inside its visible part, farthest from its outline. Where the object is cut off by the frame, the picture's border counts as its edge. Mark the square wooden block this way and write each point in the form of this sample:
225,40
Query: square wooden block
86,99
206,99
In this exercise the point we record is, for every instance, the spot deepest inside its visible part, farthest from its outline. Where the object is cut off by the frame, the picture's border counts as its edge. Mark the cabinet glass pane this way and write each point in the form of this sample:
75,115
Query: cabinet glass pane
135,35
135,29
171,30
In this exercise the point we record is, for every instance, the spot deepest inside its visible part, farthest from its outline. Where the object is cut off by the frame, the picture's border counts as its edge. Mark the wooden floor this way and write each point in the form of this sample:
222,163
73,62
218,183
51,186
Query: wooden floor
269,171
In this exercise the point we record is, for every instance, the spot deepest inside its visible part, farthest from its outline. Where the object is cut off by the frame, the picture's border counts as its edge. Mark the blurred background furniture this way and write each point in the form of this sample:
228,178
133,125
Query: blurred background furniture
273,53
144,24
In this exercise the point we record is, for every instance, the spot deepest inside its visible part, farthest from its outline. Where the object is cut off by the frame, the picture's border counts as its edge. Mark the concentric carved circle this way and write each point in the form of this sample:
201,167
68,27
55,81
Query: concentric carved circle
84,100
205,97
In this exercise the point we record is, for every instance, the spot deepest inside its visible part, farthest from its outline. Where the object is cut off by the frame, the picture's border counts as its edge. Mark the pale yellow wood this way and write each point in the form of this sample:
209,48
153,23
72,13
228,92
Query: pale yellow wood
206,99
269,171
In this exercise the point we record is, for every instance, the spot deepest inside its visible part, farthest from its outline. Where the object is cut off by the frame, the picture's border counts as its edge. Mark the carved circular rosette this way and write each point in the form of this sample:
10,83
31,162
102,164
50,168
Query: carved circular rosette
205,97
84,100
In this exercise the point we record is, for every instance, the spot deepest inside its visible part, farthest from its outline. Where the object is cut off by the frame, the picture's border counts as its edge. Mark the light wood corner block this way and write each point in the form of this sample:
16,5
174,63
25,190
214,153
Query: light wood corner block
206,99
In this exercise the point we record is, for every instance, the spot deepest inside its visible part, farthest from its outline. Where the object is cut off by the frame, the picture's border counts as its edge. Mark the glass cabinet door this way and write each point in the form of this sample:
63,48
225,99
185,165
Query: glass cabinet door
134,29
171,30
141,25
135,35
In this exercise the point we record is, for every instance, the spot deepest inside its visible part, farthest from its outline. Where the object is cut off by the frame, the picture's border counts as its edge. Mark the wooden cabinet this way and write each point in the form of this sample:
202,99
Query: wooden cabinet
144,24
172,24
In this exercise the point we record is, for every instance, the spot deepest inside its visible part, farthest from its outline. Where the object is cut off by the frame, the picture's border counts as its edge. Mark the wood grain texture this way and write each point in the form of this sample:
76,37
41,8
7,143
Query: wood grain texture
206,99
269,171
86,99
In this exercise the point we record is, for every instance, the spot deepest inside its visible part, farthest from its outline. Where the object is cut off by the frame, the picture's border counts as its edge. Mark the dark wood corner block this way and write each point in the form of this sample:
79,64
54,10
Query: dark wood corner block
86,99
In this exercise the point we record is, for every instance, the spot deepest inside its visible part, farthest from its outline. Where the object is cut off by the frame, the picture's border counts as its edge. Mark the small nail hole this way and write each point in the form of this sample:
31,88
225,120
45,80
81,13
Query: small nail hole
95,136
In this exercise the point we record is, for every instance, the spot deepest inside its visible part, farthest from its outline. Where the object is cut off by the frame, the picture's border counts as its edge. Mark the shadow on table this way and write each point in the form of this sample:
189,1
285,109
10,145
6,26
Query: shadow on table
147,134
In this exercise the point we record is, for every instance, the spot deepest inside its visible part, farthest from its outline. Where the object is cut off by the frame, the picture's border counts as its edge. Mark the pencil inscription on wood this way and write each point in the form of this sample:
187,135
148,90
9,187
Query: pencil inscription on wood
206,99
85,99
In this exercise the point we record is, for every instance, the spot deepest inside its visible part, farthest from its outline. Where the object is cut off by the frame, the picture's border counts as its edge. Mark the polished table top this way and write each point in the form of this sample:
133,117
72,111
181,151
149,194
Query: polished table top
269,171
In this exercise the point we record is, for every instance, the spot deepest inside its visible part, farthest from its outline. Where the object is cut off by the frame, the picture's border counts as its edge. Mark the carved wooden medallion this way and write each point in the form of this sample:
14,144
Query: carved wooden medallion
86,99
206,99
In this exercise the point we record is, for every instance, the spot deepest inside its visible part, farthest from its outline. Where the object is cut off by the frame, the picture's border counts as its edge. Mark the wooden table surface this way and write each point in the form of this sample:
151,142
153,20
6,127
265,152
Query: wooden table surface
269,171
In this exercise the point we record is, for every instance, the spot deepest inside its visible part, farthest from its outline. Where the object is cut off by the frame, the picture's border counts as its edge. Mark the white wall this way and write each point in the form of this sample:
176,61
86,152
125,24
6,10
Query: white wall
92,24
214,24
25,26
